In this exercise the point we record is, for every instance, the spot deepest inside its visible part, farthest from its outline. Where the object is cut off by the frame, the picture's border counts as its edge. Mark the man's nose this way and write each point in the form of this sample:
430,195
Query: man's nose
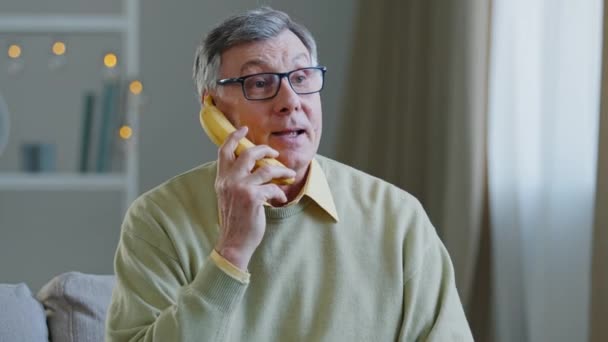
286,101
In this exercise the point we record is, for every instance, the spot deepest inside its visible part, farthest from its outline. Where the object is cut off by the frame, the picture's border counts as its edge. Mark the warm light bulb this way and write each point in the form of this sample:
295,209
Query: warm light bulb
14,51
110,60
125,132
59,48
136,87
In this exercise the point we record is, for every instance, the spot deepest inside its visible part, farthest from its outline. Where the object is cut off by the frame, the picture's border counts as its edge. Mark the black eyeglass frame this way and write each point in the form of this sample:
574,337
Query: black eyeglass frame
281,75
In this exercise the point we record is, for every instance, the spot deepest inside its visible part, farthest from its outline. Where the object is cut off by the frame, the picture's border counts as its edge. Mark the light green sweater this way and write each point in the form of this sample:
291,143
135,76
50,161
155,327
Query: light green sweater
379,274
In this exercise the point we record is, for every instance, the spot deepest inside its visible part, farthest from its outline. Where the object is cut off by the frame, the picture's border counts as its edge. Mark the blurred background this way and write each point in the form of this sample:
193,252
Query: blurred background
491,112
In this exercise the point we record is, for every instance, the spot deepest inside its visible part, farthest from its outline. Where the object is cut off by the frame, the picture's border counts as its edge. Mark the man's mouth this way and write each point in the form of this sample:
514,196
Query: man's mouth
289,133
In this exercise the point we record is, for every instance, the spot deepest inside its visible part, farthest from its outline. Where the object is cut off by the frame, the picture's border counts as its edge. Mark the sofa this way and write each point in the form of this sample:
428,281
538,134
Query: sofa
71,308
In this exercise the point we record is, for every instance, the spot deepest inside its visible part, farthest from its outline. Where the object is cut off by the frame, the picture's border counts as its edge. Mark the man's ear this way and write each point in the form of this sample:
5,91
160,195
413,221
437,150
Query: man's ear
208,93
202,99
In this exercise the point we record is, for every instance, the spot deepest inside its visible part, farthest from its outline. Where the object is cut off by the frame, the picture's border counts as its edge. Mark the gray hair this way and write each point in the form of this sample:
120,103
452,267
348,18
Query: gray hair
255,25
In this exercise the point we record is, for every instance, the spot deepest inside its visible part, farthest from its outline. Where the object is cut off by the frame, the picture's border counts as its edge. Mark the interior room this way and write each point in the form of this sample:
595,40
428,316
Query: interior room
493,114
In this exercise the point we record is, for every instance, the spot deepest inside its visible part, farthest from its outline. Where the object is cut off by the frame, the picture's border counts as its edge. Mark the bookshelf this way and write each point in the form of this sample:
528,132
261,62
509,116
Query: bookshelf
126,25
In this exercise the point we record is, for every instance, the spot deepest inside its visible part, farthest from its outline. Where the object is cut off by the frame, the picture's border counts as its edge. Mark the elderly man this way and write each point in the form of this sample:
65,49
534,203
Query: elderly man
221,253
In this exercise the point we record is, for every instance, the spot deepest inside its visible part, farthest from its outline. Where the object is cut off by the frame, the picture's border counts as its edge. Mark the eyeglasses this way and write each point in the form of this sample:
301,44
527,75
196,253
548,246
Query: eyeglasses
266,85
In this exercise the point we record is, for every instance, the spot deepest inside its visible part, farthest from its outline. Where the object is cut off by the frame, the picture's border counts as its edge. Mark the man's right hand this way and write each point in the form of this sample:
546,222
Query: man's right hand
241,196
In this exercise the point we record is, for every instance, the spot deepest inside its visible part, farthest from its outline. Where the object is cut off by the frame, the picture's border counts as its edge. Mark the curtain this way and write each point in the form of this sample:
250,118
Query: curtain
599,280
543,111
415,115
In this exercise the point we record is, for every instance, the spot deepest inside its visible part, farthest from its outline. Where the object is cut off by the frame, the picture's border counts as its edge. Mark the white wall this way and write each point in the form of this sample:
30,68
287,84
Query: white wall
43,234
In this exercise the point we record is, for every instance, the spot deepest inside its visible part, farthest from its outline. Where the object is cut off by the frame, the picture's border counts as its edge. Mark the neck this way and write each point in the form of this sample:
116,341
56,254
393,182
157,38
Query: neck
293,190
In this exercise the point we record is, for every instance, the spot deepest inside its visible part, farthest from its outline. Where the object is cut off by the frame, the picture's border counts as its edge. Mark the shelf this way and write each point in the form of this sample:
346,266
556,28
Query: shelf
63,23
62,181
124,24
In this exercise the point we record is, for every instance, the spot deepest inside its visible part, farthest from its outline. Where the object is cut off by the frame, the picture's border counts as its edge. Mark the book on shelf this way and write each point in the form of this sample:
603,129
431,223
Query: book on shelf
119,145
87,127
103,114
108,113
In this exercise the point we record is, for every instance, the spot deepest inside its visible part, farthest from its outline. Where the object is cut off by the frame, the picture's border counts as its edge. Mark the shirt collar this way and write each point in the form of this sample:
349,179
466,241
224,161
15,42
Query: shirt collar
317,188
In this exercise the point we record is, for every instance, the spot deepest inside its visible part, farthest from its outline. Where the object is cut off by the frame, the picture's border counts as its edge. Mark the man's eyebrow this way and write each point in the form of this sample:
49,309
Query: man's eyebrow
262,63
252,62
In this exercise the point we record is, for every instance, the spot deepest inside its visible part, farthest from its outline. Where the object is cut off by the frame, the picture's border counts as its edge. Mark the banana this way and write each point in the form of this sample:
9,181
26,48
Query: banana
218,128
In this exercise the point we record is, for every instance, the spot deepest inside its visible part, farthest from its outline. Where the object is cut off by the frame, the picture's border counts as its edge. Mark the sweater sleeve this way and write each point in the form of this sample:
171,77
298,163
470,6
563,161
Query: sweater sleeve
432,307
154,301
229,268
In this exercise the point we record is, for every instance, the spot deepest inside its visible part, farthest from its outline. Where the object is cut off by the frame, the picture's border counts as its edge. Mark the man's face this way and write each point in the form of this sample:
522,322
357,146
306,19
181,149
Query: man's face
289,123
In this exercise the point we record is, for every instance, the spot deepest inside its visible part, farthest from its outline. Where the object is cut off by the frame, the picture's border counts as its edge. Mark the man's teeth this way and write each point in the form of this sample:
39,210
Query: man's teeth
288,134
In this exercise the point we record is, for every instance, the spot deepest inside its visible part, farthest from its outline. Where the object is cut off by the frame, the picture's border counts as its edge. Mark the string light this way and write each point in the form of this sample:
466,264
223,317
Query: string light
110,60
136,87
125,132
58,48
15,63
14,51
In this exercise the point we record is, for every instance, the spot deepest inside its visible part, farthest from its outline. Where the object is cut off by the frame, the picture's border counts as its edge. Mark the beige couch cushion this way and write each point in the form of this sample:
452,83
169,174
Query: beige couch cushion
76,306
21,316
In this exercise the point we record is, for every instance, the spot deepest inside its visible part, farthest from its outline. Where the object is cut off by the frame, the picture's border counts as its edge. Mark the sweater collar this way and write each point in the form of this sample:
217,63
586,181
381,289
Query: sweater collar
317,189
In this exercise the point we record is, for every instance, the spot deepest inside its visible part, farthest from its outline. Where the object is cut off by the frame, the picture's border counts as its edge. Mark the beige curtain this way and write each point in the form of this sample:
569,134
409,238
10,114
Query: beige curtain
599,281
415,115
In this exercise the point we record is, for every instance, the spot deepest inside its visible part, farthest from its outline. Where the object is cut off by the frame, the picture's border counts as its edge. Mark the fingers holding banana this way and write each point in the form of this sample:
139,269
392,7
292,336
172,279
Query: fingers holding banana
246,166
242,189
248,159
226,151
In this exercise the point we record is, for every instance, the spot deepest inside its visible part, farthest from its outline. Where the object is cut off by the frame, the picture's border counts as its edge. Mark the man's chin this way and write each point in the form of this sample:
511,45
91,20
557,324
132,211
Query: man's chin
295,161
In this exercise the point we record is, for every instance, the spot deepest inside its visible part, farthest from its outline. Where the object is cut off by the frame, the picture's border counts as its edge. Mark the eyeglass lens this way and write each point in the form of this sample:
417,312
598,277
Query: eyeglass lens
302,81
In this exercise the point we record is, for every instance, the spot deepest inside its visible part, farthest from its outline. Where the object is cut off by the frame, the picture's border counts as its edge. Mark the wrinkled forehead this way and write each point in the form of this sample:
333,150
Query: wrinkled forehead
278,54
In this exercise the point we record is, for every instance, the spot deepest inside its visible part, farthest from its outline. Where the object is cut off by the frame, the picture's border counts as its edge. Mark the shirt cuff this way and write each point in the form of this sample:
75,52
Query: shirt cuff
229,268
